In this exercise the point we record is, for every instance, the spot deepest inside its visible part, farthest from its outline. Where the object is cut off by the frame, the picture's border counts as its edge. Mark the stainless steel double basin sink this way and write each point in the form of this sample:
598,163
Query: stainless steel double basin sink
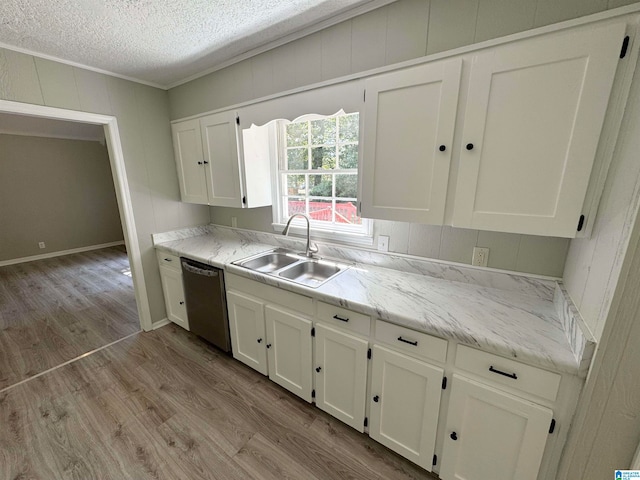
285,264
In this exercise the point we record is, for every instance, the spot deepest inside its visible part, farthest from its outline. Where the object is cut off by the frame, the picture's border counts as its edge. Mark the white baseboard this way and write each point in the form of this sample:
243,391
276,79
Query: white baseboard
33,258
160,323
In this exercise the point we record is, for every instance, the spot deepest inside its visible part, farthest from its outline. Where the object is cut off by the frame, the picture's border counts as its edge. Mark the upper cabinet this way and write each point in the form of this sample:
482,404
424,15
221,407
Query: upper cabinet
532,123
409,120
524,144
213,170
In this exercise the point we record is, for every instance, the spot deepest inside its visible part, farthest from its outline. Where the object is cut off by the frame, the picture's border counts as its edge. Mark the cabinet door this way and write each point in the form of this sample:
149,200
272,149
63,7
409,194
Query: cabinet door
187,146
248,336
409,119
289,351
405,404
341,375
221,159
174,296
531,129
491,434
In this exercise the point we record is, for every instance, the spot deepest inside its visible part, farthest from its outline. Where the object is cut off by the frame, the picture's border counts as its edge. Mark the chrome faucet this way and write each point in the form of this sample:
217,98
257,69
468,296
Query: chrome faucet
310,250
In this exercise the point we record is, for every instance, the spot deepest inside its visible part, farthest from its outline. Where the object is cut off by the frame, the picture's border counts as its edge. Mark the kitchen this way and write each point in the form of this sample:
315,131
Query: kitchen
143,114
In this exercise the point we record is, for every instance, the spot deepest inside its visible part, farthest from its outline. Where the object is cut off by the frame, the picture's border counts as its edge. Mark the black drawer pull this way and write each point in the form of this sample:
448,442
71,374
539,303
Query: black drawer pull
268,345
454,436
510,375
168,260
376,398
404,340
181,303
340,318
259,340
318,369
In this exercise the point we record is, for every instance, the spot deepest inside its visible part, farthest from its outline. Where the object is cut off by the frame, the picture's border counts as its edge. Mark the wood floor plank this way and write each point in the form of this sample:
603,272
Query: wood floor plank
56,309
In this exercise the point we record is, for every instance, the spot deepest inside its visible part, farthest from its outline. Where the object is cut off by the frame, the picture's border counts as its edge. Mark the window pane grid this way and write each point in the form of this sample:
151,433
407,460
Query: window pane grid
326,189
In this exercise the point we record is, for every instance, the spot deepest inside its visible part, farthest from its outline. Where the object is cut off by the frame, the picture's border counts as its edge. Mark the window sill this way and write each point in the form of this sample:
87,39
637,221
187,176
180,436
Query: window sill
344,238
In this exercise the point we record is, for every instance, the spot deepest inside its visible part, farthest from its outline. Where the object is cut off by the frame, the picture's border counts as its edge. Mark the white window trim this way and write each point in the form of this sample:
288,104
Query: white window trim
362,237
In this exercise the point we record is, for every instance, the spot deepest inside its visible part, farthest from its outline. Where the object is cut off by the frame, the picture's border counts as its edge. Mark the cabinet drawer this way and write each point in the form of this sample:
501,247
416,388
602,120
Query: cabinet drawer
290,300
412,342
168,260
343,318
508,372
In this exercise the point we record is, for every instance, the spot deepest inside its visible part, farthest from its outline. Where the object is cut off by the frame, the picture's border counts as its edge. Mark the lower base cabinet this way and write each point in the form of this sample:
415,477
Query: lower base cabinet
341,375
491,434
247,329
289,351
405,403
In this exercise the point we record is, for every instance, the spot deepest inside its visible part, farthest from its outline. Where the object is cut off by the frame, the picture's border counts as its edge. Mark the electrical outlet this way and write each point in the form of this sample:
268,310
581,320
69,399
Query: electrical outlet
480,256
234,221
41,245
383,243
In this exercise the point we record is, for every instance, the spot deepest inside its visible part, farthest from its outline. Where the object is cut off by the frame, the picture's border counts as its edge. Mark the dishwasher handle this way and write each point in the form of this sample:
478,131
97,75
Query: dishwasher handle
199,271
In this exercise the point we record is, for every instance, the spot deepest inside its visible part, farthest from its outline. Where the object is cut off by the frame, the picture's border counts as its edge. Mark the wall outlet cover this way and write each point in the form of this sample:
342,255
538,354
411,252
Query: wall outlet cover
41,245
480,257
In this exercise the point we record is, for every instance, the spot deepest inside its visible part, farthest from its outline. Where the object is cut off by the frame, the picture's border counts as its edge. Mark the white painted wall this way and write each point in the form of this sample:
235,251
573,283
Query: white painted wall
143,120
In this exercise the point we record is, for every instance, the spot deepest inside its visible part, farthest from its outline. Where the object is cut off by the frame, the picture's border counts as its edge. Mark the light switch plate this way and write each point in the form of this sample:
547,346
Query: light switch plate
383,243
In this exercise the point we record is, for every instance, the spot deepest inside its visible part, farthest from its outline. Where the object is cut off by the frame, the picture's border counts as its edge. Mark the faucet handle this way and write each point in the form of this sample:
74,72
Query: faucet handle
313,248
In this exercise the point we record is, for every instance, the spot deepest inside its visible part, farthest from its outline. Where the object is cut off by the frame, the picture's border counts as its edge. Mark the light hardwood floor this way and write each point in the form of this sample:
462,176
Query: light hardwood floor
166,405
56,309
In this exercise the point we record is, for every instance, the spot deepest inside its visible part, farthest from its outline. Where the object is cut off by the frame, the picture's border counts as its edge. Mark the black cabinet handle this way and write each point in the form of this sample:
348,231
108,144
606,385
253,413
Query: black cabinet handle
259,340
199,163
469,146
206,163
268,345
504,374
168,260
404,340
340,318
318,369
442,148
454,436
181,303
376,398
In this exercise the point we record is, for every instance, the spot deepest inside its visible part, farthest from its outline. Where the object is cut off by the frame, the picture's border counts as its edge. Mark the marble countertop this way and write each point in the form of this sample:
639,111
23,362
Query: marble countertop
506,322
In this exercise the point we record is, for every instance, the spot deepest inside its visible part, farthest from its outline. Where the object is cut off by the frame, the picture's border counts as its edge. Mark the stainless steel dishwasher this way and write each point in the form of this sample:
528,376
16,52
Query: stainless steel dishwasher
206,303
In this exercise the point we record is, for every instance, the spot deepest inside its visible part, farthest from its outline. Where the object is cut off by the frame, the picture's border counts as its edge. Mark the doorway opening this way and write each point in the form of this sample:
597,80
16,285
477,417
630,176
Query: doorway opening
108,276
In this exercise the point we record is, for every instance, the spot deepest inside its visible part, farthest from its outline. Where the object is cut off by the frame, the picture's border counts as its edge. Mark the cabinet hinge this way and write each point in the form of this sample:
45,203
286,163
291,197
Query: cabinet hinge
237,119
435,460
581,223
313,332
444,383
369,354
313,394
625,47
244,199
364,95
552,427
366,422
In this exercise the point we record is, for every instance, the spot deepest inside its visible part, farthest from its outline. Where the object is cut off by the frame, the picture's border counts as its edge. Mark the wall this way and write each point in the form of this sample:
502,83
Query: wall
57,191
143,121
400,31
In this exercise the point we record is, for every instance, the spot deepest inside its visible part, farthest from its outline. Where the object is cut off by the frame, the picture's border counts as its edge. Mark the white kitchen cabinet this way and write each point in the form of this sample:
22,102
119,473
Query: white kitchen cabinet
492,434
218,167
289,350
247,330
532,123
409,121
341,375
171,278
187,146
405,404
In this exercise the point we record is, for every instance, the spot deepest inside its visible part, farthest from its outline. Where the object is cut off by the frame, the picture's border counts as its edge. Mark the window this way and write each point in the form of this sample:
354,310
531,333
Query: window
318,172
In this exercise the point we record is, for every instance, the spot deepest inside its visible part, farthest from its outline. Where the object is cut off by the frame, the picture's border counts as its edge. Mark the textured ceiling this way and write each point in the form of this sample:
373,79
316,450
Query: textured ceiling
158,41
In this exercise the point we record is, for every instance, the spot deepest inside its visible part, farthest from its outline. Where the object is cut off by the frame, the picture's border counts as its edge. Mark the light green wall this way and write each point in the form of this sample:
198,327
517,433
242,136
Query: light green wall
56,191
143,121
400,31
